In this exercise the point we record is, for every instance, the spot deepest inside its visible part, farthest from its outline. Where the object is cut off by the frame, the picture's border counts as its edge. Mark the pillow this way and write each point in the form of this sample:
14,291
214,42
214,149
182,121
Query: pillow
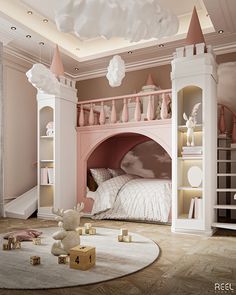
23,235
100,175
116,172
91,183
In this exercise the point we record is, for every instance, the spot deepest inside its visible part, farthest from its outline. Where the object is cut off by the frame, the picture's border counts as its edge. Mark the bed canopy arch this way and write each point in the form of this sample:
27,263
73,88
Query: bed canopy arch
89,139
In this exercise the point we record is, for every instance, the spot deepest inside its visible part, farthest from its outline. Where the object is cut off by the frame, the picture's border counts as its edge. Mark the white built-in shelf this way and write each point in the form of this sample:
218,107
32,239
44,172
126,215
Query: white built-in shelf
48,184
47,137
189,188
226,161
232,207
226,148
185,216
183,128
46,161
198,158
226,174
224,225
226,190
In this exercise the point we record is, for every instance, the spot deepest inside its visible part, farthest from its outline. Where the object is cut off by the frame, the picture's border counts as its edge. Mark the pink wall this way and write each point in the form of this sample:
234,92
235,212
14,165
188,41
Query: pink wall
110,153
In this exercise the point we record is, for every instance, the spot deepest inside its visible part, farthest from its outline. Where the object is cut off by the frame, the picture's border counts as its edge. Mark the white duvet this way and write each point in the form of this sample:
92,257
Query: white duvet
129,197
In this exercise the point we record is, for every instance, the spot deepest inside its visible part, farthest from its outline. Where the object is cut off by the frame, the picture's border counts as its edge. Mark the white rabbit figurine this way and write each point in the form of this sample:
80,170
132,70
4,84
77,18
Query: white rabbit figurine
190,124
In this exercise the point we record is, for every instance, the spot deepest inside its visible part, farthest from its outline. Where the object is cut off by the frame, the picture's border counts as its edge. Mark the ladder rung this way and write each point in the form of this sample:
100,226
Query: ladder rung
226,161
226,174
226,189
225,207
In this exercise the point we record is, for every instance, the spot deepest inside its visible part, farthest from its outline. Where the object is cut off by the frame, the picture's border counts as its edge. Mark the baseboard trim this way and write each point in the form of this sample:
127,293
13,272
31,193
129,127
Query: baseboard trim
207,233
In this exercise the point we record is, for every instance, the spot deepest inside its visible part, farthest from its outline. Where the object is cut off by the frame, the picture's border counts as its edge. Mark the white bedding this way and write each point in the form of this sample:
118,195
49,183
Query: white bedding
129,197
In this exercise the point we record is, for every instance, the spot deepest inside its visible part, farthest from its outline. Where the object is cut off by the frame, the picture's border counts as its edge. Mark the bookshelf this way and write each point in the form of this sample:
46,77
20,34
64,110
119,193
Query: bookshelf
57,152
192,83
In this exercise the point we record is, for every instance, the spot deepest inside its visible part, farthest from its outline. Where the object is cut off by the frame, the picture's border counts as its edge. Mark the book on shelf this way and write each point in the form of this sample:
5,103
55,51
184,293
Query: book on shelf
191,151
46,176
195,208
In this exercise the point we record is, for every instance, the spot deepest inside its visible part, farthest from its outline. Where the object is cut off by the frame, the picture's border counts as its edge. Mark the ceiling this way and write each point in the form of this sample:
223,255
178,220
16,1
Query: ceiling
84,59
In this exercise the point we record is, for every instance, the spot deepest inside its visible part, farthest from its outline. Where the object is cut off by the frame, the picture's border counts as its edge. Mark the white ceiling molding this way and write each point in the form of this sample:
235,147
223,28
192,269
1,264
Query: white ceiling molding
98,67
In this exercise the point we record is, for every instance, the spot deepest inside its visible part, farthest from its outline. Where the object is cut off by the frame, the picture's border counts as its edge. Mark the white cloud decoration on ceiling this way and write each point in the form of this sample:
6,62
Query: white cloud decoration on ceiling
43,79
115,71
133,20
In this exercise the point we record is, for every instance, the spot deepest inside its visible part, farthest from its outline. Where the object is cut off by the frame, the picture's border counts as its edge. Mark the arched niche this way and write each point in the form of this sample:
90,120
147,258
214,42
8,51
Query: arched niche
46,116
188,97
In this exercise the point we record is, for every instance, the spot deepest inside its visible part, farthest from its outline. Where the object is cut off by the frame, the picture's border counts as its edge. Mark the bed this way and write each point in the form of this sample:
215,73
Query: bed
131,197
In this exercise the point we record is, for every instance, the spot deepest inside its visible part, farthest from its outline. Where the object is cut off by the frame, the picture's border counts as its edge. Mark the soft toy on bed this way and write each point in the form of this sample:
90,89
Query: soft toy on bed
67,237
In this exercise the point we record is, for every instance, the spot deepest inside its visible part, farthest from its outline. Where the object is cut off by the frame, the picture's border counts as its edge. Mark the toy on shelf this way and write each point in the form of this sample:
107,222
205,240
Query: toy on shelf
50,129
82,257
191,123
124,236
63,259
67,237
34,260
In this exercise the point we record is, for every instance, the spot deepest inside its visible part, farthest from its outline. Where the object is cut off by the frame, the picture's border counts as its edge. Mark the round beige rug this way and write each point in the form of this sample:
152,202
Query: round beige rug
113,260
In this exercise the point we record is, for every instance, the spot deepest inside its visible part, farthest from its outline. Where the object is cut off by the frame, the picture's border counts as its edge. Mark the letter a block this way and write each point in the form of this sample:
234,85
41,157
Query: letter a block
82,257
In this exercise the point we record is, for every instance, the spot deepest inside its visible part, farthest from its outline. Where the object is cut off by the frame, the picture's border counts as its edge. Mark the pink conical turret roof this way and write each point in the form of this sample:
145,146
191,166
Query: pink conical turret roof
195,34
57,65
149,80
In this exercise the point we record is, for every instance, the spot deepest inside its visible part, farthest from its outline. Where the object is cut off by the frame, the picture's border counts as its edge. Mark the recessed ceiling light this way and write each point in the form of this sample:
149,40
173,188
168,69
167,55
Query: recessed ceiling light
41,43
130,52
45,20
220,32
29,12
28,36
161,45
76,69
13,28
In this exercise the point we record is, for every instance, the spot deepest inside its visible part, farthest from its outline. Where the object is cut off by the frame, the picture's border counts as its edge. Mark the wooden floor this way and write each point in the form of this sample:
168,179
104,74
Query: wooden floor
187,264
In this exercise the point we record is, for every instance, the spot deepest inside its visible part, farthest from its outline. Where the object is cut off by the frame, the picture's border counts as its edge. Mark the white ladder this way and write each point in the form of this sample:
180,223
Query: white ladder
226,185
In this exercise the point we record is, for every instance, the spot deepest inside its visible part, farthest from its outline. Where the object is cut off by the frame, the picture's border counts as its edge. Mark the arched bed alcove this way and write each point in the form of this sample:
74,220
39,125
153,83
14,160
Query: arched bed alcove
103,147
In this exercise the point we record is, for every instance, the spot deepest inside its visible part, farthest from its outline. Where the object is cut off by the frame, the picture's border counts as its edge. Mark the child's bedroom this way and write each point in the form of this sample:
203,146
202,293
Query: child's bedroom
117,147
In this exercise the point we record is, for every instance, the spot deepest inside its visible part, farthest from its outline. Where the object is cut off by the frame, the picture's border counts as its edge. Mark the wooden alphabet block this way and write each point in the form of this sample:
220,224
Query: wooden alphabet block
63,259
87,225
5,247
92,231
35,260
37,241
124,231
86,230
120,238
17,245
82,257
10,242
127,239
80,231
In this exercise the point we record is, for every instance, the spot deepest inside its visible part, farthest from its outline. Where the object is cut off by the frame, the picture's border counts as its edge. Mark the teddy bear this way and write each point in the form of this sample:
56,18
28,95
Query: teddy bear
67,237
